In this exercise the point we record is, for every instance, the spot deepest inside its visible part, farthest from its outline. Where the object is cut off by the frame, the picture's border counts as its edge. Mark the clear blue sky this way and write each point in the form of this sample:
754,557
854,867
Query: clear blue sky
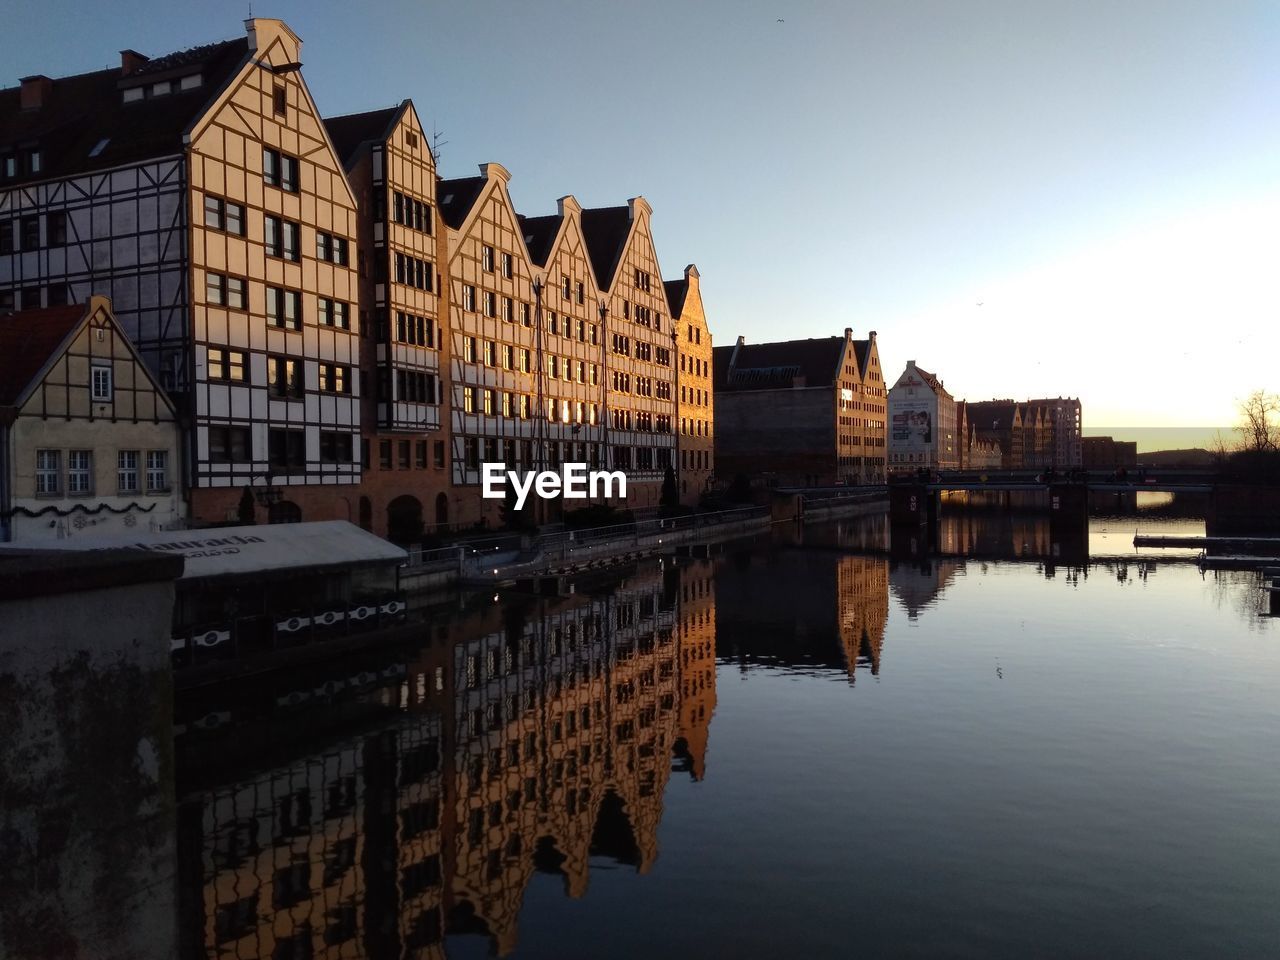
1104,178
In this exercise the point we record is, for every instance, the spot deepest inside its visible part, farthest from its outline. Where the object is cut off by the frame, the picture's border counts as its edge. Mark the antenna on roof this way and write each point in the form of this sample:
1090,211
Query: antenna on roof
250,9
436,144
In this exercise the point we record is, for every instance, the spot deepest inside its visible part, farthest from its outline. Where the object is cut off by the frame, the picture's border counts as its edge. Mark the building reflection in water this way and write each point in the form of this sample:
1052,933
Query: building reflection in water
531,738
805,629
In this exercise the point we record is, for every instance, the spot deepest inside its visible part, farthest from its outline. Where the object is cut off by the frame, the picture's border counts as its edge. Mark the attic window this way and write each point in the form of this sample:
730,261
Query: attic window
133,94
191,81
411,139
448,198
100,145
163,88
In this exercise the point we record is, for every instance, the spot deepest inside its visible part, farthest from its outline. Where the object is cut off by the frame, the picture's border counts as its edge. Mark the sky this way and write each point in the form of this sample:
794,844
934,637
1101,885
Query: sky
1027,198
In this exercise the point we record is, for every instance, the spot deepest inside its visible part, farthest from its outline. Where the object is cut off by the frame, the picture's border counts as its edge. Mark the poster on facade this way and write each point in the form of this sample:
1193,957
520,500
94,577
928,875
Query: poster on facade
912,427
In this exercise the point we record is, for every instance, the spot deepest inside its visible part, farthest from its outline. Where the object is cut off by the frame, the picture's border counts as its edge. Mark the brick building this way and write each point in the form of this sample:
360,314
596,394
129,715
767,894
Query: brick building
800,412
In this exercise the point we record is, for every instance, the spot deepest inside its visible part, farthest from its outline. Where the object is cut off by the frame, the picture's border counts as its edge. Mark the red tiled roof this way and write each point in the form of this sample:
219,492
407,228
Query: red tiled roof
27,341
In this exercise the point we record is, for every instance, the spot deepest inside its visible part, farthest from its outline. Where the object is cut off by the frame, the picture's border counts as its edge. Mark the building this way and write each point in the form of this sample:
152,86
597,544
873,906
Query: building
332,321
800,412
997,424
1065,421
695,417
89,443
405,483
923,431
1106,453
200,191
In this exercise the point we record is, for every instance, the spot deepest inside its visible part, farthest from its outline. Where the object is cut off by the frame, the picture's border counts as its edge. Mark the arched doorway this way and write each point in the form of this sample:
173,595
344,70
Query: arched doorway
404,519
284,511
442,510
366,513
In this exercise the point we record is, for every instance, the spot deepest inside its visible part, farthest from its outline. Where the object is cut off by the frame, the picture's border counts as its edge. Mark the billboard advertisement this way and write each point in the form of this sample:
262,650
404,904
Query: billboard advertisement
911,426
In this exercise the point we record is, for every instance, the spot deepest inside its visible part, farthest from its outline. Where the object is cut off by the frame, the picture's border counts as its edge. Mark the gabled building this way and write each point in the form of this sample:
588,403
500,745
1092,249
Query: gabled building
638,339
89,443
695,404
401,248
923,432
999,423
800,412
1065,426
201,192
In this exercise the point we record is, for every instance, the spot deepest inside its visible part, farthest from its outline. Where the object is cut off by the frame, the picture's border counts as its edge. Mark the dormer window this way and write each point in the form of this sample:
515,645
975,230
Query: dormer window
99,146
161,89
33,161
134,94
191,82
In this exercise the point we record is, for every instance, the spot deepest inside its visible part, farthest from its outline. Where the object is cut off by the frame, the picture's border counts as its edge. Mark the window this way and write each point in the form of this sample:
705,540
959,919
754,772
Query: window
79,472
335,378
508,309
280,170
30,233
48,472
332,249
402,454
281,238
284,377
6,236
336,447
229,444
280,101
486,259
334,313
56,229
127,471
226,365
506,265
469,349
488,353
582,292
284,308
224,215
224,291
157,471
101,383
490,304
420,454
286,448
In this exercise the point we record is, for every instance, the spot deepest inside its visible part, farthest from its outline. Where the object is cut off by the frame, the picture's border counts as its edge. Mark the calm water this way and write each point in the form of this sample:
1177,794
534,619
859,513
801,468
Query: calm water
796,748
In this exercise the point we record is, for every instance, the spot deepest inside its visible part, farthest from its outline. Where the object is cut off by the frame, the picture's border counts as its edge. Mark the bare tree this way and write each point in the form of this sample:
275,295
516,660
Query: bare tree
1259,425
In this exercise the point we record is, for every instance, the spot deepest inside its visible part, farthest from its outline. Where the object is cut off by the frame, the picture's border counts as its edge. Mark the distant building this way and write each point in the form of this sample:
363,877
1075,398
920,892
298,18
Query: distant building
88,440
923,432
802,412
1105,453
1064,420
695,398
998,424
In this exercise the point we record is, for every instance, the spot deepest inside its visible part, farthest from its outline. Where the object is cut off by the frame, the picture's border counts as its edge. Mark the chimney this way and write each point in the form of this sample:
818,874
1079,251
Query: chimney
131,61
568,206
873,335
35,92
848,333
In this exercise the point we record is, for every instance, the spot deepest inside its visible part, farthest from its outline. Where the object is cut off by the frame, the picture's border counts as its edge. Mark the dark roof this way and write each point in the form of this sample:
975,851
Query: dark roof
677,290
27,341
988,415
351,132
456,198
605,230
83,111
764,366
539,234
